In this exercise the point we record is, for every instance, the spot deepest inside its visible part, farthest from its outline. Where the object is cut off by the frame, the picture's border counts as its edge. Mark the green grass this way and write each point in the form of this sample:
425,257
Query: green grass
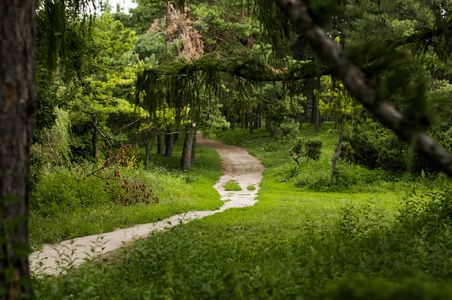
251,188
232,185
296,242
177,191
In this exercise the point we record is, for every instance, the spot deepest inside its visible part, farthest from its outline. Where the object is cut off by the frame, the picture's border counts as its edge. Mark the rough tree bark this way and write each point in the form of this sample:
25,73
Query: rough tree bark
186,161
360,87
17,108
169,144
193,150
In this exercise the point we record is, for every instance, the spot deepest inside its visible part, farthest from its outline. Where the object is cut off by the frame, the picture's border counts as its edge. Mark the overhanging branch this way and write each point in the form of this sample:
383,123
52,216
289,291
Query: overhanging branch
360,88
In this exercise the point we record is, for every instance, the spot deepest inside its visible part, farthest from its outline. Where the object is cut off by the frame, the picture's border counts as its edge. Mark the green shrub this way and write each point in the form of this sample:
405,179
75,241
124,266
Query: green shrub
308,149
371,144
426,212
61,191
288,128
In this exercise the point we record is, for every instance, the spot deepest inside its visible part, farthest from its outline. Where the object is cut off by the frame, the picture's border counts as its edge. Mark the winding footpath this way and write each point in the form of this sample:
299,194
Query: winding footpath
237,165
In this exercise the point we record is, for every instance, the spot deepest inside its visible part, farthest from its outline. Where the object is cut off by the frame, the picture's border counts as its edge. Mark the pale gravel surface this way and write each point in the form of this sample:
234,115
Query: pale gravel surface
237,165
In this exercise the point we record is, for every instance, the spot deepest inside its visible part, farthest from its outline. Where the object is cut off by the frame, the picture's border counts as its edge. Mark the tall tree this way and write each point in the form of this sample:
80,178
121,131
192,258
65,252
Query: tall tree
18,34
17,107
307,22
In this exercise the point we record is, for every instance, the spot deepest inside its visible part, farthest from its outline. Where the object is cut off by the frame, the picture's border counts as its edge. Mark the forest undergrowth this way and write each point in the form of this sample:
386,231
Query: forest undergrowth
91,198
367,234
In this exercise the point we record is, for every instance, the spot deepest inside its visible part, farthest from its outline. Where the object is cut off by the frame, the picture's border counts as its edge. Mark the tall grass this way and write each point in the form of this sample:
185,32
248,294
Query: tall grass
296,242
66,206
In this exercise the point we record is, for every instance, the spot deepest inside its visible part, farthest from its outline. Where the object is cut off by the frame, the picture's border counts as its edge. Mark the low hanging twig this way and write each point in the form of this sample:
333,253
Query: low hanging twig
103,135
120,129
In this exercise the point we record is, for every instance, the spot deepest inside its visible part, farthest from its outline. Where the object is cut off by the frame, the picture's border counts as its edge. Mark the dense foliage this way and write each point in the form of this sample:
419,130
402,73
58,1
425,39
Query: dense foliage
230,69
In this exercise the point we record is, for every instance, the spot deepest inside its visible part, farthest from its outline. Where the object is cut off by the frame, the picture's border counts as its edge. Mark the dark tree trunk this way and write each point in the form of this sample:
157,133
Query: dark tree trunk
251,123
160,144
300,121
17,108
193,150
243,122
186,161
314,107
273,133
256,122
169,144
95,136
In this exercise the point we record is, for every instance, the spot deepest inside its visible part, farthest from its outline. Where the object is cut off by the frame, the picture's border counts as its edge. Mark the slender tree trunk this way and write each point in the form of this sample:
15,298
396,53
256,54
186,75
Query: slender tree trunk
311,99
251,123
315,113
17,108
95,136
169,144
160,144
273,132
187,151
318,120
300,121
193,150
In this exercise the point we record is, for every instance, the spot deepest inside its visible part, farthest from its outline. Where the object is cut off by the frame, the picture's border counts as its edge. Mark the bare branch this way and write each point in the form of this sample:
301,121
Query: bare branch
359,87
103,135
120,129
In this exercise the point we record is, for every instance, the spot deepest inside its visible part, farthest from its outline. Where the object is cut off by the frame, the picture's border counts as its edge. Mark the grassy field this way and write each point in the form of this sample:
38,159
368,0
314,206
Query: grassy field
72,207
370,237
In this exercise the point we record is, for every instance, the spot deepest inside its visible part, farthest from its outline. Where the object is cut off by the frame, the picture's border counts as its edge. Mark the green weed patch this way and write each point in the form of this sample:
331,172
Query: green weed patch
232,186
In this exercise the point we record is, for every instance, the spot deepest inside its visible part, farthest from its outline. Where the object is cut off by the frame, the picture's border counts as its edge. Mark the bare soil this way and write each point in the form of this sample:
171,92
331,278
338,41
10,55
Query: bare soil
238,165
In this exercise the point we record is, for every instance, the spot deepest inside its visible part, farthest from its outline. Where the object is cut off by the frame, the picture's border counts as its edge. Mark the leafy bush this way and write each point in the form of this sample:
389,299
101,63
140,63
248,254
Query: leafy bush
61,191
369,143
288,128
426,212
309,149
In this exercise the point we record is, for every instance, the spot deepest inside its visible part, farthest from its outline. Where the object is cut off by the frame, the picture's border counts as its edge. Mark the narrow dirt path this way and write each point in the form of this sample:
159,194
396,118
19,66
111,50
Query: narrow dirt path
237,165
